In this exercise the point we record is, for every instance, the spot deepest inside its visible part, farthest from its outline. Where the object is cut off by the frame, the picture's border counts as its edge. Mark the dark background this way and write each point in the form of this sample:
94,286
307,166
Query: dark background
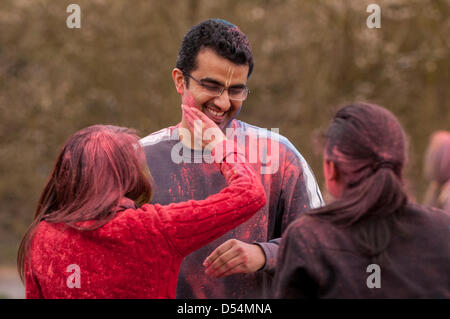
310,57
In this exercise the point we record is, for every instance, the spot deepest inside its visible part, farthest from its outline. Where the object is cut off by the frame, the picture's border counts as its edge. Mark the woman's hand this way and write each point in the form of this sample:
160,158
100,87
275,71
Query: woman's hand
205,132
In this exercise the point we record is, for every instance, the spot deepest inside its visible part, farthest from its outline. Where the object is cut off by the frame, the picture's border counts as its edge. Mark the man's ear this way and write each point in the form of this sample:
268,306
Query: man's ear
178,80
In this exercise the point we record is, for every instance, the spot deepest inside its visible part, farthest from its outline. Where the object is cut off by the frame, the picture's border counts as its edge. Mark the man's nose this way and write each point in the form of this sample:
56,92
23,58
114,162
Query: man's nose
223,101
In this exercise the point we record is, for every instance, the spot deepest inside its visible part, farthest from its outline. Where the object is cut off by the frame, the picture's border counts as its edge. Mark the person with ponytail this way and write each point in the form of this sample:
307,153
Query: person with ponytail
437,171
94,233
371,241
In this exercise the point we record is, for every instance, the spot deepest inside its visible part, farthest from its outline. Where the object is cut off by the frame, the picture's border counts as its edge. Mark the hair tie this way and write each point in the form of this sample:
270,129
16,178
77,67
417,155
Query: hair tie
382,164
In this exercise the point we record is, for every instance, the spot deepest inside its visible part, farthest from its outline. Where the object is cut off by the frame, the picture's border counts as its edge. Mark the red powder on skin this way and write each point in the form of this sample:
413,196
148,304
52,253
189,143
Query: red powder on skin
189,99
241,39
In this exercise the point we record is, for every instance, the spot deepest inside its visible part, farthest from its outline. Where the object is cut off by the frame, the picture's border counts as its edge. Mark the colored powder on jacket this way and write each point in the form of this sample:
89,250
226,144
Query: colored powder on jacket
290,188
320,260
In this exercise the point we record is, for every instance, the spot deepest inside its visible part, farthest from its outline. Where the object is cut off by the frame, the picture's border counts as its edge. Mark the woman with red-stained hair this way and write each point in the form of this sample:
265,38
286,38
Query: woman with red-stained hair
91,238
371,242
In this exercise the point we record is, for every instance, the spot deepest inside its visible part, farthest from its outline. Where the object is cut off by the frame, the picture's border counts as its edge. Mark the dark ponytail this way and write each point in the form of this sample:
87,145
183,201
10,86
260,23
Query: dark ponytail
367,145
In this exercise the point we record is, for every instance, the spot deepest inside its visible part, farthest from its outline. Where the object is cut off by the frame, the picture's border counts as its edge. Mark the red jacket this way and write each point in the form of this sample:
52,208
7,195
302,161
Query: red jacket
138,253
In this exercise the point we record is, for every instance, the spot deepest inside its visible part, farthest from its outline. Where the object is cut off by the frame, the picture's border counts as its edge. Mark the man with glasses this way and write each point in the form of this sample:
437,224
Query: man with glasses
213,66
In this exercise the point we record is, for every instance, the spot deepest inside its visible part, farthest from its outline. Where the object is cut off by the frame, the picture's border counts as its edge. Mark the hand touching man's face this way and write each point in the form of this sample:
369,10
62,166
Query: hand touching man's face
212,72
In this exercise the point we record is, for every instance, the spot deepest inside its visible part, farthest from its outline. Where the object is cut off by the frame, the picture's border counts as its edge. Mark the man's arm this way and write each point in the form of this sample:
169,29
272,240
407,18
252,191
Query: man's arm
234,257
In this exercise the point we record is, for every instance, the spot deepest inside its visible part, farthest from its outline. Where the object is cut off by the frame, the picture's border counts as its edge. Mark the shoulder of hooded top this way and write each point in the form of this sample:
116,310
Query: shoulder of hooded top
273,135
162,135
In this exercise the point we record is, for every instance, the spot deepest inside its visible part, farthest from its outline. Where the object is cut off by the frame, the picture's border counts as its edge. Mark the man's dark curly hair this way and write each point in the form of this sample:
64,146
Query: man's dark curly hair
222,36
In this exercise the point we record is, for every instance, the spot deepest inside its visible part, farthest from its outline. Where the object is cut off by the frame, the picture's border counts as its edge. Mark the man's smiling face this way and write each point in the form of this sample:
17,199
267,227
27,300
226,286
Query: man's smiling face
215,70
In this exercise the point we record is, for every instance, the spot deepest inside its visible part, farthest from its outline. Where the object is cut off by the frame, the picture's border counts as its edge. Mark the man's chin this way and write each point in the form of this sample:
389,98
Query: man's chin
221,124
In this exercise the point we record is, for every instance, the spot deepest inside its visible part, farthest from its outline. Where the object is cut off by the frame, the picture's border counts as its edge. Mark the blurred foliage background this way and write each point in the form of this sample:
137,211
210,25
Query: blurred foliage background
310,57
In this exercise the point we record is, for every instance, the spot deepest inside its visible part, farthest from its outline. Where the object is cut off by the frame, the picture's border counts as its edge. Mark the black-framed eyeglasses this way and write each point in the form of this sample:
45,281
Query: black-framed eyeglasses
216,90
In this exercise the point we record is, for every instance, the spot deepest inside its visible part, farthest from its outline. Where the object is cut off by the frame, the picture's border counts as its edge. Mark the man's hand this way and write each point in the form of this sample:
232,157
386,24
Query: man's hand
234,257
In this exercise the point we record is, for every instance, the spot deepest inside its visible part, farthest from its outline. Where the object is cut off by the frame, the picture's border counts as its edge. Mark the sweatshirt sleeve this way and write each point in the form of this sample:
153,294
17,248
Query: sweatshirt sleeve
192,224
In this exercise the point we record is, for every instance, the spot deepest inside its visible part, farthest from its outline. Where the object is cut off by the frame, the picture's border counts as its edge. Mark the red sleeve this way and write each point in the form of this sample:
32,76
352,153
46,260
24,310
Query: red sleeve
191,225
